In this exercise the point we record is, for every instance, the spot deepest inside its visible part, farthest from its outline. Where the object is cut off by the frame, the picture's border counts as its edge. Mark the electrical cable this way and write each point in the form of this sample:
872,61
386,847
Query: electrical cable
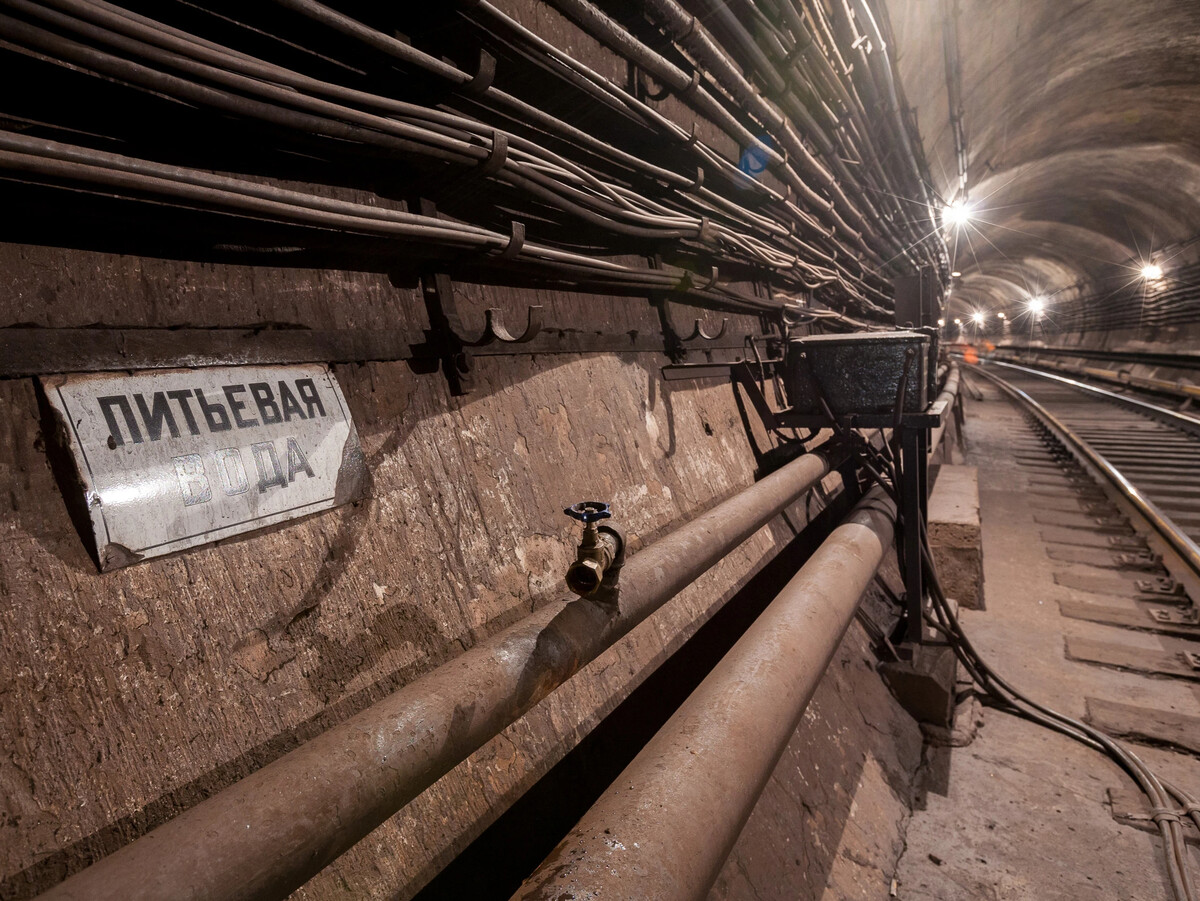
749,227
470,144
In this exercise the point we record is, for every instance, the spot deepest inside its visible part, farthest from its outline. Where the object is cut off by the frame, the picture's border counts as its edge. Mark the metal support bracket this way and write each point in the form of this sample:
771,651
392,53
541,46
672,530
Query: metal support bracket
913,435
914,503
1187,617
673,341
1162,586
1145,560
443,335
448,335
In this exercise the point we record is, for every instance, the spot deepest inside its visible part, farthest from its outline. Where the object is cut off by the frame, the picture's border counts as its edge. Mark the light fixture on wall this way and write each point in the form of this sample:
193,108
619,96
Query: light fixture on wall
956,214
1152,272
1037,305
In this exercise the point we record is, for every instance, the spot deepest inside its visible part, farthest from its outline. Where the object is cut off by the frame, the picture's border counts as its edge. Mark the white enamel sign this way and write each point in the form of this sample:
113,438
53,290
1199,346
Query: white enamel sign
171,459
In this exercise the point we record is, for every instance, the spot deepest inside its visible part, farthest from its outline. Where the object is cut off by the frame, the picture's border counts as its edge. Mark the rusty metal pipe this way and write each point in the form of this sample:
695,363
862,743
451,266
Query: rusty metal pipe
267,834
665,827
949,393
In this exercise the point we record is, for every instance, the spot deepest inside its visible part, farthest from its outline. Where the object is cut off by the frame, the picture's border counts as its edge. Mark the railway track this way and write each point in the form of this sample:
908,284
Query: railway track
1121,653
1147,457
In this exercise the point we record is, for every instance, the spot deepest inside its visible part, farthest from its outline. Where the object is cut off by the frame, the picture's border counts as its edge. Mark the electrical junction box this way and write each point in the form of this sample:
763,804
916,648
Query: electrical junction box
857,374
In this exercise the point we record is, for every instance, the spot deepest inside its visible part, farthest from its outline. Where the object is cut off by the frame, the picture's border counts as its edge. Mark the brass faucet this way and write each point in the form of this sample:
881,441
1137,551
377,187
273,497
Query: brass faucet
601,551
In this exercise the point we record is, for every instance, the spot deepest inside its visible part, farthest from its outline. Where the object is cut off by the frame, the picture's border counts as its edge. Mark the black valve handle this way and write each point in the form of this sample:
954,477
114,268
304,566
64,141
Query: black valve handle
589,511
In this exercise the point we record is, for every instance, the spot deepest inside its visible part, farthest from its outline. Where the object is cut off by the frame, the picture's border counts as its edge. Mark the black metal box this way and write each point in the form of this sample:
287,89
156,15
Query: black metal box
857,374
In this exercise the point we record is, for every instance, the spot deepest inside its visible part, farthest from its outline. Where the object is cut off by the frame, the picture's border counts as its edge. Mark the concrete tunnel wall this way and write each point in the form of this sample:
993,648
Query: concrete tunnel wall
129,696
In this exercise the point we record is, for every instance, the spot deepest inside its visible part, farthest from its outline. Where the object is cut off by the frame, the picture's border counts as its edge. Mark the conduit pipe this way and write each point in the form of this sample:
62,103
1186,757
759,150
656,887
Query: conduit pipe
266,835
665,827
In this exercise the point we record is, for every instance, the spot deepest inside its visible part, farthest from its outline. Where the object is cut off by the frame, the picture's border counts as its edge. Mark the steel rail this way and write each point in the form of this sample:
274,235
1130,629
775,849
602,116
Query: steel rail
1148,358
267,834
1173,417
1125,379
1176,538
667,823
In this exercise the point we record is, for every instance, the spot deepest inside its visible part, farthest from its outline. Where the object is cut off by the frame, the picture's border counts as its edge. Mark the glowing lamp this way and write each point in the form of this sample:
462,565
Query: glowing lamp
956,214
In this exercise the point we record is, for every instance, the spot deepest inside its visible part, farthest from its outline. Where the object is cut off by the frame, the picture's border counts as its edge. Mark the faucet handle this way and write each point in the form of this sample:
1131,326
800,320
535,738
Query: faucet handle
589,511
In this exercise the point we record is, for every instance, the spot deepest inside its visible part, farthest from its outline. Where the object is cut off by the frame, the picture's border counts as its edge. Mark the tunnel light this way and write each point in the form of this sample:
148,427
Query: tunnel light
958,322
1037,305
1001,316
956,214
978,318
956,275
941,323
1152,272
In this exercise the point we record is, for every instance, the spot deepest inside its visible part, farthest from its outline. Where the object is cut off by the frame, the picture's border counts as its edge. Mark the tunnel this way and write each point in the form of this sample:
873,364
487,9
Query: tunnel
740,450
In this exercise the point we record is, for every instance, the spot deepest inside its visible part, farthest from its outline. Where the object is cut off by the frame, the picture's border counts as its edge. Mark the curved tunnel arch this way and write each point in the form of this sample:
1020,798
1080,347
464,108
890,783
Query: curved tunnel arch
1083,129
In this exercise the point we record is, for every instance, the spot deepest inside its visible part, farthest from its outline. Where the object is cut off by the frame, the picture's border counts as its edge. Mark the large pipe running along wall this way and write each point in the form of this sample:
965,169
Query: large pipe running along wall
269,833
667,824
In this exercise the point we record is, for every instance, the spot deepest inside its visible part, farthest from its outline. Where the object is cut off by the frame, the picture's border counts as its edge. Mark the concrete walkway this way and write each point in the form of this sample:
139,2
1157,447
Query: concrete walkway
1022,812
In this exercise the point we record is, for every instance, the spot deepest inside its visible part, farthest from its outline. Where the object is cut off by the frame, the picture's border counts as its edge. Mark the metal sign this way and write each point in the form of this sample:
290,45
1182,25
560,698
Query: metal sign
171,459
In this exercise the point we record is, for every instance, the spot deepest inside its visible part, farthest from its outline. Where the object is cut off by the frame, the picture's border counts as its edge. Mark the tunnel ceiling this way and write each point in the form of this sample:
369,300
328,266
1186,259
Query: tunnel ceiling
1082,120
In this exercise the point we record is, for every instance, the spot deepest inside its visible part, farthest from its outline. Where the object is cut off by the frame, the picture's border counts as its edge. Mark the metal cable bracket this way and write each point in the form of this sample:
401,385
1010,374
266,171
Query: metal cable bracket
483,77
674,338
496,158
516,241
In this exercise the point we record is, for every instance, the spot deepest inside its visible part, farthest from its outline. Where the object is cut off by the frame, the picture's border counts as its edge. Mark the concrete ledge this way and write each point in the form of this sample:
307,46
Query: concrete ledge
955,537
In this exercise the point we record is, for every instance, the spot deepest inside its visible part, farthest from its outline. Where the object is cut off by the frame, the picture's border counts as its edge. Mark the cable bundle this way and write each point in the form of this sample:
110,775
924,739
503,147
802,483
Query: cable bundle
825,218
